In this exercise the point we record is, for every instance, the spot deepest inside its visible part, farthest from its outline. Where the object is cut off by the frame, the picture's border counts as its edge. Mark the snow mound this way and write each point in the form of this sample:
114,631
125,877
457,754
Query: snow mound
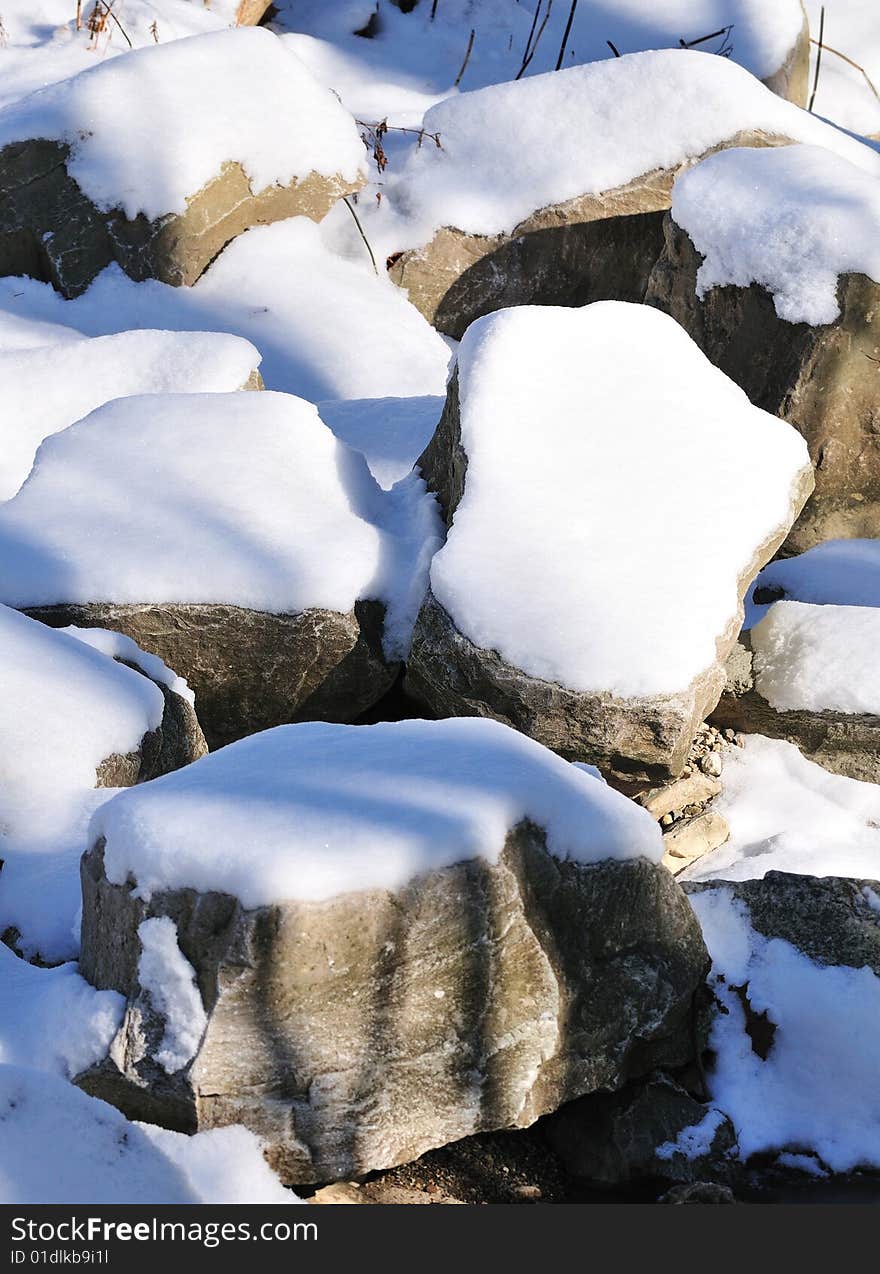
60,1146
200,102
835,573
52,1019
510,149
818,657
793,219
118,646
606,458
816,1090
788,814
66,708
243,499
77,376
311,811
391,433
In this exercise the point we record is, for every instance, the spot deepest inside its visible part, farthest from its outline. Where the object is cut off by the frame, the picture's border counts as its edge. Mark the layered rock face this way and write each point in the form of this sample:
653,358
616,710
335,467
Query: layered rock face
356,1028
67,210
473,656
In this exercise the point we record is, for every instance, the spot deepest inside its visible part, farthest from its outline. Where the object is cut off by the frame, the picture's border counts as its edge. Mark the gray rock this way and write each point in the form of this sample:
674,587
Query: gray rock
251,670
634,741
831,919
845,743
823,380
51,231
358,1033
613,1138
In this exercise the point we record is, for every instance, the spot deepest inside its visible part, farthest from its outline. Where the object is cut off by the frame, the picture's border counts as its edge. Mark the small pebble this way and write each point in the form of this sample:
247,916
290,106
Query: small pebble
667,820
711,764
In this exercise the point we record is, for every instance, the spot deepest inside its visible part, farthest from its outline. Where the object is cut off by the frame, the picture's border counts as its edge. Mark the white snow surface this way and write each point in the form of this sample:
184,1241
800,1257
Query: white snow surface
243,499
844,94
51,1019
46,389
391,433
326,326
818,657
792,219
60,1146
816,1091
567,553
510,149
118,646
834,573
66,708
167,976
788,814
315,810
695,1141
227,86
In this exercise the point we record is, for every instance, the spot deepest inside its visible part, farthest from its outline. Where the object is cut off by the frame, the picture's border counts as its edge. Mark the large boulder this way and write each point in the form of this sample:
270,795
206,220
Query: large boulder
808,674
250,551
502,203
74,720
384,938
771,265
564,601
85,181
49,387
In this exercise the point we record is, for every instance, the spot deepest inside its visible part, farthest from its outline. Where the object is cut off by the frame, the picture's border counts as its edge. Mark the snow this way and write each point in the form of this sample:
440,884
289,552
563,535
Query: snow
170,981
118,646
818,658
571,572
834,573
843,93
242,499
788,814
793,219
816,1091
391,433
51,1019
228,86
414,58
327,327
311,811
76,376
60,1146
695,1141
66,709
510,149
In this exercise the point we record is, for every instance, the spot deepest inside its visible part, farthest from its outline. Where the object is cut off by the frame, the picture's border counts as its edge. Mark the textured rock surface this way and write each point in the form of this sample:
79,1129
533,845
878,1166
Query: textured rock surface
613,1138
357,1033
829,918
251,670
592,248
51,231
823,380
634,741
845,743
691,838
177,741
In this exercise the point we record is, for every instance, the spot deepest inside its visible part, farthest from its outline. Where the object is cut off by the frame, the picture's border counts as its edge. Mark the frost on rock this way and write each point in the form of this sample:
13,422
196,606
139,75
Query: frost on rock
793,219
169,980
802,958
75,377
566,559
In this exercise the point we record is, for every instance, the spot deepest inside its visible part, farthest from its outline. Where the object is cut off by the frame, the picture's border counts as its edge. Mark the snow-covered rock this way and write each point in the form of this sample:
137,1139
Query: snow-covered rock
396,932
796,968
588,461
391,433
550,189
251,550
74,720
789,814
45,389
833,573
163,188
771,264
809,674
60,1146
